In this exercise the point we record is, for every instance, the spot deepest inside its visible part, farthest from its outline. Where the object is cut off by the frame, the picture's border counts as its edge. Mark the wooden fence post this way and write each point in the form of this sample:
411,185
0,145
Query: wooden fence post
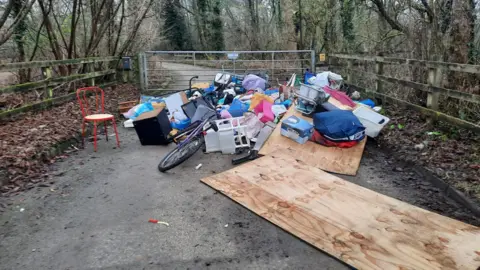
434,79
91,68
47,74
350,71
379,71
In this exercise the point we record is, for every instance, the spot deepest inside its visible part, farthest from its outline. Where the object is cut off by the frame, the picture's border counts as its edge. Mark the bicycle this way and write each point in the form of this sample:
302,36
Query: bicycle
188,146
190,139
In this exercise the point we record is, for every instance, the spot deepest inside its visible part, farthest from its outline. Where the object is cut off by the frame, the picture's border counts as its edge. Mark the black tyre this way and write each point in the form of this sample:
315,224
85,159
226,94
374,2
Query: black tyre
179,155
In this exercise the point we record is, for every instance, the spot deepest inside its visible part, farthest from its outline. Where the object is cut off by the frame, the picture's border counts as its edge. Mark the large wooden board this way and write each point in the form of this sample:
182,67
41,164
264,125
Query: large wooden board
331,159
356,225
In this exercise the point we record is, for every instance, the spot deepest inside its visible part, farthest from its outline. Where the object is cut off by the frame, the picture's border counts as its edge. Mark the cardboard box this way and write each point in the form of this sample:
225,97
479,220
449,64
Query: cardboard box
296,129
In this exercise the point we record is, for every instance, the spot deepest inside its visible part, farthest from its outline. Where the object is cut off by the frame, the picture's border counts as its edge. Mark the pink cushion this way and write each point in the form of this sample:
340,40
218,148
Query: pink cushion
264,111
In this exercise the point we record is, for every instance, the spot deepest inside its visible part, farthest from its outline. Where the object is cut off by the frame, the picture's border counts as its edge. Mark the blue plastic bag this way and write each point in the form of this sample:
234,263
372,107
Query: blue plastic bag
237,108
307,76
181,124
136,111
368,102
145,99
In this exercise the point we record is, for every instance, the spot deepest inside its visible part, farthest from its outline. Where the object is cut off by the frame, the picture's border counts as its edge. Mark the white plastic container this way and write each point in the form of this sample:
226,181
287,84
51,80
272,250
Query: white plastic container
230,136
211,141
371,120
309,92
226,141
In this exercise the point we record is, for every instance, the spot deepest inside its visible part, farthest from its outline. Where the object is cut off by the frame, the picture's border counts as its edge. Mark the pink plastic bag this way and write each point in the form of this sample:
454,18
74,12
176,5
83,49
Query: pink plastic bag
225,114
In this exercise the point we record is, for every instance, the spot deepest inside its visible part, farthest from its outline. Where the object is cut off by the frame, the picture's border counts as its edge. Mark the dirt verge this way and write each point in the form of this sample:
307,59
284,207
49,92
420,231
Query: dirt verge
450,153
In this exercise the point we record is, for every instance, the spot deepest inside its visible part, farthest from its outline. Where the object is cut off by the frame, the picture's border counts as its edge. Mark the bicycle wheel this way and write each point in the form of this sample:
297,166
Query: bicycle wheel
179,155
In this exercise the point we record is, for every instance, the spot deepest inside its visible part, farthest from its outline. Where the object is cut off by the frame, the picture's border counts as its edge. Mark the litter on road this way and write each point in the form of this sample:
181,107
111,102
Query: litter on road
158,222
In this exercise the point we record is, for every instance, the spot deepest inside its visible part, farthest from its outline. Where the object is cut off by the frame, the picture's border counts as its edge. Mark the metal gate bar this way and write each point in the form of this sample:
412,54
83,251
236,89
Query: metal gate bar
172,70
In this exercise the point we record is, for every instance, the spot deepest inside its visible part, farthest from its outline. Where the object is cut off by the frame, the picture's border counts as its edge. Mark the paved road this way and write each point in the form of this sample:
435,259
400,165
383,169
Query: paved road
181,74
94,216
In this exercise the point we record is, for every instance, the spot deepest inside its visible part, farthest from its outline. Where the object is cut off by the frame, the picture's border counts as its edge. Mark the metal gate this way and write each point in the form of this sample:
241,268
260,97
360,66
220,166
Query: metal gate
172,70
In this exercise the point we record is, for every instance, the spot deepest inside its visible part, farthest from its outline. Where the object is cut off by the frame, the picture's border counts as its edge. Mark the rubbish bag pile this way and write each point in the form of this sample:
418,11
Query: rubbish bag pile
249,102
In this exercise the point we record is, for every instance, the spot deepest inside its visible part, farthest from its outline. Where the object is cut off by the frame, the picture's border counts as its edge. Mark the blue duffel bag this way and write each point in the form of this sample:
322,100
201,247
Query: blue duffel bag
339,126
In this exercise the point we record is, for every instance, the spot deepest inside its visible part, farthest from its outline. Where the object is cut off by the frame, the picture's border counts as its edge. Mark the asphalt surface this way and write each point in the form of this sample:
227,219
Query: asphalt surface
94,214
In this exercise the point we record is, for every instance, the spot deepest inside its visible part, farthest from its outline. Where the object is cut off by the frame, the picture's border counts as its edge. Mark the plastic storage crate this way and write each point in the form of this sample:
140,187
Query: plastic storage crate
371,120
230,136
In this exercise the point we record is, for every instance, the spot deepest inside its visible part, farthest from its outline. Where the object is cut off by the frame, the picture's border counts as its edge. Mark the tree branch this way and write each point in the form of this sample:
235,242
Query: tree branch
119,28
37,39
6,13
59,29
134,32
393,23
4,36
428,9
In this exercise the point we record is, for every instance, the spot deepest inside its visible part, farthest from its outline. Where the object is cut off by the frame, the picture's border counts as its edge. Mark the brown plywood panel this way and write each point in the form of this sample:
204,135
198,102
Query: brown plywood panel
363,228
331,159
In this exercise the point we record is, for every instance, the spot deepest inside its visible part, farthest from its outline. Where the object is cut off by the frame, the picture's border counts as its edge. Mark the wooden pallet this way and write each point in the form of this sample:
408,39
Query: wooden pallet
363,228
331,159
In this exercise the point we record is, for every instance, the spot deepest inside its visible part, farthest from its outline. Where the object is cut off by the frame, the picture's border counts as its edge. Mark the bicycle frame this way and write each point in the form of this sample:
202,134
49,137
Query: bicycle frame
193,133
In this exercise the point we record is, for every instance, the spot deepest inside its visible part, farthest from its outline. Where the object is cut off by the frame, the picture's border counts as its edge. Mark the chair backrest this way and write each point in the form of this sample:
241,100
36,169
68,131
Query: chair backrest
83,95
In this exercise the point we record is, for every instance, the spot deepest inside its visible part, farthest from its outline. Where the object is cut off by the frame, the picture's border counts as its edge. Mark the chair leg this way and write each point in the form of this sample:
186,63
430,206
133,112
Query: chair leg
95,136
83,133
116,133
106,131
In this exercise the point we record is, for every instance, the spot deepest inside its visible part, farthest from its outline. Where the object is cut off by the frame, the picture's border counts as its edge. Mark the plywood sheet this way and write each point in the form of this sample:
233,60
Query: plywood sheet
332,159
356,225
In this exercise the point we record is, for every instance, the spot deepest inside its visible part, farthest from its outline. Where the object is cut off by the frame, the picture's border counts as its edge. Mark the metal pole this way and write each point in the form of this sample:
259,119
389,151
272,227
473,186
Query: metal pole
145,71
273,64
194,64
313,66
141,77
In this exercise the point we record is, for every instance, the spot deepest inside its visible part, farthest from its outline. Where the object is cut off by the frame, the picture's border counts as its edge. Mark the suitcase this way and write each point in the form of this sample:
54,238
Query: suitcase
153,127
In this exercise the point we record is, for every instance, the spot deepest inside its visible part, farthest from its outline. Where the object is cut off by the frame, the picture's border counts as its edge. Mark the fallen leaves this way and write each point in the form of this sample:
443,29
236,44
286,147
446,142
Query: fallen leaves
452,154
26,144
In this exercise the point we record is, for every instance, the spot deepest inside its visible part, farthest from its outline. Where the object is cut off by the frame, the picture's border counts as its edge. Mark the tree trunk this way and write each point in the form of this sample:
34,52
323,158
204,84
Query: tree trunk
52,37
300,25
19,34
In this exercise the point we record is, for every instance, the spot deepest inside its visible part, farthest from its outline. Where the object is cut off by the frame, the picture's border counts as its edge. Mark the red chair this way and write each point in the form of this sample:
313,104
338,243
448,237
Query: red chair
97,114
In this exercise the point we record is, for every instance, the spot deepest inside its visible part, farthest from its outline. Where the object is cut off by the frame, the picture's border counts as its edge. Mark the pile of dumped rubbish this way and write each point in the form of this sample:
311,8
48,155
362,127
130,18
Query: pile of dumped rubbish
236,114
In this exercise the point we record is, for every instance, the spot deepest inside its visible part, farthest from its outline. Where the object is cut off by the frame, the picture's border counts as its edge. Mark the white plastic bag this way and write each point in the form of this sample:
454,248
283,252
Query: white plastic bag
254,125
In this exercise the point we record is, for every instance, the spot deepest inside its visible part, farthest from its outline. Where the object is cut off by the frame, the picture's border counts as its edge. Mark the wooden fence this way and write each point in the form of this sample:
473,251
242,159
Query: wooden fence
433,87
87,71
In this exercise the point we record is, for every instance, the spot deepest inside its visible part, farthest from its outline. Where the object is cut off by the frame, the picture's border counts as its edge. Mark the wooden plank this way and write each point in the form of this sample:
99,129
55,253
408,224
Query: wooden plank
430,64
39,64
332,159
437,116
45,104
363,228
54,81
423,87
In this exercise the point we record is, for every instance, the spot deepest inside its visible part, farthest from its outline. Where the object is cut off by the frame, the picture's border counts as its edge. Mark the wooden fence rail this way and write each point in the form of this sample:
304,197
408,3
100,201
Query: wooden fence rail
49,83
434,88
